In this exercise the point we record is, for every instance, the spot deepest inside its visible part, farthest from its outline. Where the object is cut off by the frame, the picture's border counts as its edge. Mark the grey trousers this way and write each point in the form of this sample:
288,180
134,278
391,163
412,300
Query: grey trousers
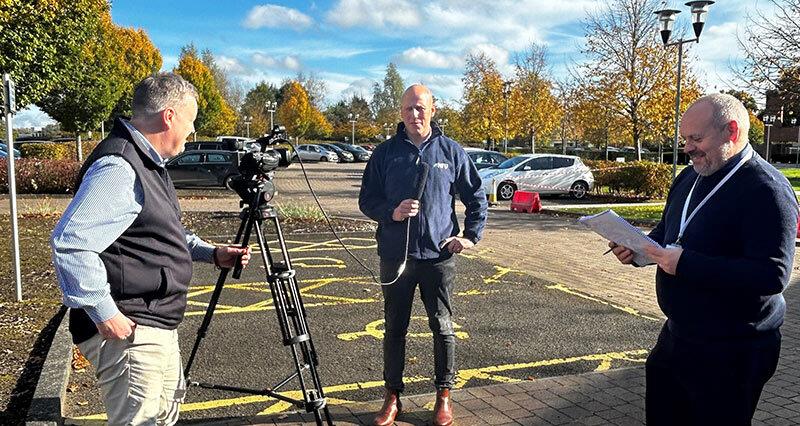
435,279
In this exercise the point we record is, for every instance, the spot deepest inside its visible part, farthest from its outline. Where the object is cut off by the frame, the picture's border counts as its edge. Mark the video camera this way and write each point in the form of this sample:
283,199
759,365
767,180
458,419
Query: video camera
256,167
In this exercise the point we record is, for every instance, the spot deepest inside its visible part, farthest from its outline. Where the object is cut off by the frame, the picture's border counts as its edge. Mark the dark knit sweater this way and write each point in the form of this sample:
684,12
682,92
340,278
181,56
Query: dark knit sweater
738,252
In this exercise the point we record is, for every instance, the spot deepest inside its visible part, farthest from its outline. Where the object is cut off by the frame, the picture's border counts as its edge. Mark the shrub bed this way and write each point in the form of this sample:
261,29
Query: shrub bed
55,150
638,178
35,176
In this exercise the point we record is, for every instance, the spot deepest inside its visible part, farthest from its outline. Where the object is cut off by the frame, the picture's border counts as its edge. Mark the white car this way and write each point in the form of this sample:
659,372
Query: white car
311,152
542,173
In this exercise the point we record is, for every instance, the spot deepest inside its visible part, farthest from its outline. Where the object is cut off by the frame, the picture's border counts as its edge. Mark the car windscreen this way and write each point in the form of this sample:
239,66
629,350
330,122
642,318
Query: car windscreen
511,162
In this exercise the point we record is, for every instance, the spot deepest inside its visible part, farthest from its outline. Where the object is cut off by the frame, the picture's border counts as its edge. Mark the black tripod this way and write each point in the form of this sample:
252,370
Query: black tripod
288,305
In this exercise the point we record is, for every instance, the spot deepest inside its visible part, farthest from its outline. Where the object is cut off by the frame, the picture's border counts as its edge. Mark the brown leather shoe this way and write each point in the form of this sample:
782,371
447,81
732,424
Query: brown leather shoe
391,409
443,410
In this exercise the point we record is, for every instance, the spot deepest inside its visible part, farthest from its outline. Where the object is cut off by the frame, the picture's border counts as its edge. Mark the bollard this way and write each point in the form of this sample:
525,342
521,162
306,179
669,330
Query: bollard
493,193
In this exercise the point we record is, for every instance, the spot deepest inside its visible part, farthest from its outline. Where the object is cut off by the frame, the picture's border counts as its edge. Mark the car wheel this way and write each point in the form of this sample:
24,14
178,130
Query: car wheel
323,159
228,180
505,191
579,190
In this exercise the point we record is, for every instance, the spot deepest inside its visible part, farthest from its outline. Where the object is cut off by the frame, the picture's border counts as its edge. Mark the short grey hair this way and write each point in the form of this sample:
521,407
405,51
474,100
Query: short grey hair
160,91
726,108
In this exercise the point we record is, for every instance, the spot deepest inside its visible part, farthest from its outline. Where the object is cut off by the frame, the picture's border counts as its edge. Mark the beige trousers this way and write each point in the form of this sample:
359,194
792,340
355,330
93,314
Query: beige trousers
140,378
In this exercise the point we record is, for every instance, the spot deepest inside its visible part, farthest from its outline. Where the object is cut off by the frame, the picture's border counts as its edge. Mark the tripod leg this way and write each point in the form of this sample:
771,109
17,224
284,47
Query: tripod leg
242,234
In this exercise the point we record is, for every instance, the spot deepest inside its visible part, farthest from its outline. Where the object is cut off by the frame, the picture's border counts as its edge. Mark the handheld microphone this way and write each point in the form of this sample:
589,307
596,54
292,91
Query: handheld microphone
422,178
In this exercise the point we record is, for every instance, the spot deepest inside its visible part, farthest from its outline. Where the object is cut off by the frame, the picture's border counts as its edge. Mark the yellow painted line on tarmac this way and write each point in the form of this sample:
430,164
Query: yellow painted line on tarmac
372,330
629,310
501,272
316,262
493,373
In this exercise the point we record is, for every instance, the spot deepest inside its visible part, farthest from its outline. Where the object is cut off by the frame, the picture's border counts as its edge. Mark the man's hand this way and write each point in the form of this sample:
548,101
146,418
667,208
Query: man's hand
457,244
407,208
226,256
666,258
624,254
118,327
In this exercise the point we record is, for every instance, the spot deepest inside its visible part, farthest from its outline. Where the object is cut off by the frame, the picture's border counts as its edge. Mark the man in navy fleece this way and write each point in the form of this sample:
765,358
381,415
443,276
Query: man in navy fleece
729,230
387,196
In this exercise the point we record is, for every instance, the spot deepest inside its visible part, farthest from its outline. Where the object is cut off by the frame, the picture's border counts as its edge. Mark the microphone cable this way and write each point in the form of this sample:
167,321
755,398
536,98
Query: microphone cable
375,279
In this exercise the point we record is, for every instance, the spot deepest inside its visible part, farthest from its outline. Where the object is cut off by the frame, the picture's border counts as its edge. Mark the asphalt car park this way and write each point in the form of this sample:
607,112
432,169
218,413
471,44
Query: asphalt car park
510,327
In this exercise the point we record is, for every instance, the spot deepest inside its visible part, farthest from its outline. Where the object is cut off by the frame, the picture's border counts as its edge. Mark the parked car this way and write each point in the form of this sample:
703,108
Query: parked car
484,159
344,156
359,153
229,145
542,173
312,152
202,168
4,151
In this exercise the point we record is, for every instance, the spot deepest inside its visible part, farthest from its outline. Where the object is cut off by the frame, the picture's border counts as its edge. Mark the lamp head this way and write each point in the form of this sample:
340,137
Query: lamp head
666,20
699,13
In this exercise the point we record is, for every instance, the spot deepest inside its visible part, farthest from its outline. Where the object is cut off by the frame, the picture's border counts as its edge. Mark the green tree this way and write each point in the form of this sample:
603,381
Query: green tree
386,97
255,106
95,87
483,100
214,116
41,42
745,98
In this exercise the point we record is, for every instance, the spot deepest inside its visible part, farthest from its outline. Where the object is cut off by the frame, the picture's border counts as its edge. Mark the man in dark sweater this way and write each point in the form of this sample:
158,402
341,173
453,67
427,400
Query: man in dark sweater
728,231
388,196
124,261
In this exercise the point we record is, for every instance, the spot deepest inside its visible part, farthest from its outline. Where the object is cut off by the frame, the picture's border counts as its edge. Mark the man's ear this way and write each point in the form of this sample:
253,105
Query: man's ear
167,117
733,128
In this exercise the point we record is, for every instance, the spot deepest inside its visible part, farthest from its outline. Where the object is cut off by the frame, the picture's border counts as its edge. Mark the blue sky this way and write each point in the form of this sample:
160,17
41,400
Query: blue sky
348,43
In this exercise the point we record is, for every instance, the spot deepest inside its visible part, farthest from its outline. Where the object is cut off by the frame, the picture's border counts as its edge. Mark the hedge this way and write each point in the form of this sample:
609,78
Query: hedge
55,150
35,176
637,178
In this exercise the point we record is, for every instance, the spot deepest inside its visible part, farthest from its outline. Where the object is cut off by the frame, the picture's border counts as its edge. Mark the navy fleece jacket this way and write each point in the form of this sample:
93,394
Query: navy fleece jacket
737,252
389,178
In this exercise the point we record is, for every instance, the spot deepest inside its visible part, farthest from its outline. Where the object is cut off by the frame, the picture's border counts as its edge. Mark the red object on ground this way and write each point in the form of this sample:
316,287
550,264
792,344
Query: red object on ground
524,201
798,229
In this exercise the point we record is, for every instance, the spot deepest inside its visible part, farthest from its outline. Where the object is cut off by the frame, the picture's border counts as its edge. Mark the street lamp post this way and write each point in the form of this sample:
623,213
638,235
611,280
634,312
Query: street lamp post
442,124
666,18
271,107
506,94
795,122
247,121
769,120
353,118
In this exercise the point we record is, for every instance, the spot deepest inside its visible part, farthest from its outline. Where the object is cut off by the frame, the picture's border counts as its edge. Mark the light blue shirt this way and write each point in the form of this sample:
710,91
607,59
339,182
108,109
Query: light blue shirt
108,201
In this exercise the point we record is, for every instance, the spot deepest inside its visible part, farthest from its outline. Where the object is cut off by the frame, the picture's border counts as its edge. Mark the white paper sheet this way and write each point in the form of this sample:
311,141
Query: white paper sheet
614,228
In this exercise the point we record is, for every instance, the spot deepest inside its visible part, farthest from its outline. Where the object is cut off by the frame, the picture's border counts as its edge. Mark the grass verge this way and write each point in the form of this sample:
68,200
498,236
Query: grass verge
637,213
794,177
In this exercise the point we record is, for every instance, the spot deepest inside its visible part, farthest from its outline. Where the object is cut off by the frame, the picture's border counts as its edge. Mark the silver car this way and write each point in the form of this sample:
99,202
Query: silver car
311,152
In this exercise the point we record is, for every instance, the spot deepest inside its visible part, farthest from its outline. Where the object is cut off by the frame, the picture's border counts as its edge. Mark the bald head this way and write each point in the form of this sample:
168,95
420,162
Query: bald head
417,110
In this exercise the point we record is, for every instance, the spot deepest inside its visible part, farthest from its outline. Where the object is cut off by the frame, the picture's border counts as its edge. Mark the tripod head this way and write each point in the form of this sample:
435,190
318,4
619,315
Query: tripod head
255,191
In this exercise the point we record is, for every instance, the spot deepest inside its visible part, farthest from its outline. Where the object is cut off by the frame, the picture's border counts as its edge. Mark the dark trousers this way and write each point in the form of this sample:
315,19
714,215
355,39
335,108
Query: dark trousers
710,382
435,279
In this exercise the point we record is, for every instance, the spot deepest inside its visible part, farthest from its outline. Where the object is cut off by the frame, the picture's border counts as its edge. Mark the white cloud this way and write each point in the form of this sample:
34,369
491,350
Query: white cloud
287,62
273,16
375,13
424,58
718,42
29,117
228,64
